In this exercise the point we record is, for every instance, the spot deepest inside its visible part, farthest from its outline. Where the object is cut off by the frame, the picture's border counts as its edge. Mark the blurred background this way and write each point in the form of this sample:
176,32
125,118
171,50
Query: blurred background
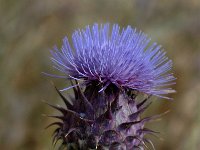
29,28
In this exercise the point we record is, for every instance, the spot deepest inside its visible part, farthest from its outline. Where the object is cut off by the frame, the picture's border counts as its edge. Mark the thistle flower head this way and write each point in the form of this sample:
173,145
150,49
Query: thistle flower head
105,114
123,57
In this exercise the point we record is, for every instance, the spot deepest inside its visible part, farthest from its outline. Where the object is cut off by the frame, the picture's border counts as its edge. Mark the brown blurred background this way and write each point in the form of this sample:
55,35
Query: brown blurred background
29,28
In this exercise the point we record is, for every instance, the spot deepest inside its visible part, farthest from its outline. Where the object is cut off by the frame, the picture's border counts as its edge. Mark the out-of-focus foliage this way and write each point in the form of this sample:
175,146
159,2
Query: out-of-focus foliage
29,28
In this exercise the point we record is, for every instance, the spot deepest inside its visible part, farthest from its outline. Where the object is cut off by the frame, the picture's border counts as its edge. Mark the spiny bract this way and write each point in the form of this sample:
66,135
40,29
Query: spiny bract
110,70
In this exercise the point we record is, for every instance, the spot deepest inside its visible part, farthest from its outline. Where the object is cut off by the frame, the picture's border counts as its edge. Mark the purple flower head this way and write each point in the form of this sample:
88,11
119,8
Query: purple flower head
123,57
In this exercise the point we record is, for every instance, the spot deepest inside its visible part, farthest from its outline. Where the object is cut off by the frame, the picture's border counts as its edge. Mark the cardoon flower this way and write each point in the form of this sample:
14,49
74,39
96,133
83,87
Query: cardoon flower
108,69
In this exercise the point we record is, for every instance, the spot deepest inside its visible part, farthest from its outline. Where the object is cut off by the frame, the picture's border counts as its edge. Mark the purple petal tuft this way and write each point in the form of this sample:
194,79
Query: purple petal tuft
122,57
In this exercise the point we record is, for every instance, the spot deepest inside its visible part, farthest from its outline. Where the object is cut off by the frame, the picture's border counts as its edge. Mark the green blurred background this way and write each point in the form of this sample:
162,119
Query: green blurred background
29,28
